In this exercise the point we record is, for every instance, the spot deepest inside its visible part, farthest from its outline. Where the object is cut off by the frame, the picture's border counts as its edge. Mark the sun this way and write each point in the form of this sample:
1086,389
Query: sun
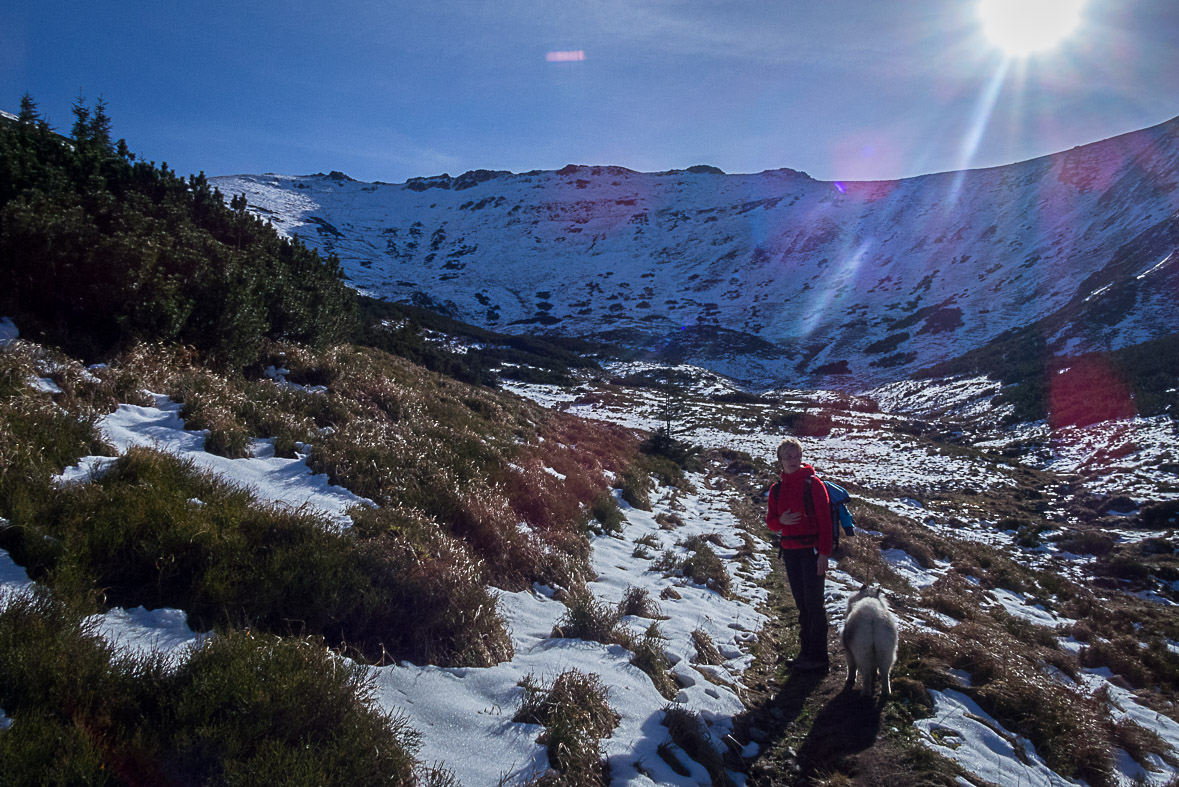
1026,27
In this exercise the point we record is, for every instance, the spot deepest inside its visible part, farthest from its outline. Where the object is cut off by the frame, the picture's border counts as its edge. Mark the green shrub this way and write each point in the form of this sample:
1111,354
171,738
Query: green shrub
662,445
606,512
636,489
248,709
86,223
154,532
243,709
38,438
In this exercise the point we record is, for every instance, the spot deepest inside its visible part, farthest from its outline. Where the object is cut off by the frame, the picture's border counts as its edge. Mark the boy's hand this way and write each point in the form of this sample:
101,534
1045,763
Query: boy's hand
822,565
788,517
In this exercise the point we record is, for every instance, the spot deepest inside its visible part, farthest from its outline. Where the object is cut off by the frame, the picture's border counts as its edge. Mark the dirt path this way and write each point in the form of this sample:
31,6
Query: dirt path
811,731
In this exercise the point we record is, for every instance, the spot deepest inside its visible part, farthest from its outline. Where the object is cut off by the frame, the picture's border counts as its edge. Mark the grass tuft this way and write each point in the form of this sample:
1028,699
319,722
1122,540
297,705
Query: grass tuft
589,619
706,650
650,657
637,601
687,730
704,567
575,712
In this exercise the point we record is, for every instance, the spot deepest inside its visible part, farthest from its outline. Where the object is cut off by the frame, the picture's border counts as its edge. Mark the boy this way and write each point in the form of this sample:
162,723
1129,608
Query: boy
806,545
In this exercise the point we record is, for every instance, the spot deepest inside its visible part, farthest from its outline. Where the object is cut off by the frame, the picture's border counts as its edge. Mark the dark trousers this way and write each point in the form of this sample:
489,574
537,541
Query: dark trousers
806,584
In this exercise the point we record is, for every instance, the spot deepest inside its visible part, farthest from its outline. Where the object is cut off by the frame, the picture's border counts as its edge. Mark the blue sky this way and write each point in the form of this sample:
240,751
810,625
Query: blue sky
390,90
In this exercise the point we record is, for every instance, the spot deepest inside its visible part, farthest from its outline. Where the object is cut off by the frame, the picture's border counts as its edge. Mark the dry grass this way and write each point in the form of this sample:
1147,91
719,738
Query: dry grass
637,601
687,731
575,712
706,650
590,619
703,566
651,658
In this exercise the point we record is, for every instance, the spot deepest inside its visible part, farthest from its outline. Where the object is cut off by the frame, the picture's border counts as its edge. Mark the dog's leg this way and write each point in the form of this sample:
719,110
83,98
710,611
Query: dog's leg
851,670
885,685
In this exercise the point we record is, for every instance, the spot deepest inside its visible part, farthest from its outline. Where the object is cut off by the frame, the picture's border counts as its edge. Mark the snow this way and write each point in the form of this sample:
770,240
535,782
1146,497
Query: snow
13,578
784,262
962,731
140,631
867,457
1157,267
907,566
476,705
955,397
272,479
1020,606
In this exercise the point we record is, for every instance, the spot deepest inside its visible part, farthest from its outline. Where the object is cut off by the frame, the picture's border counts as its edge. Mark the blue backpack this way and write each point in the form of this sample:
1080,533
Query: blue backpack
841,518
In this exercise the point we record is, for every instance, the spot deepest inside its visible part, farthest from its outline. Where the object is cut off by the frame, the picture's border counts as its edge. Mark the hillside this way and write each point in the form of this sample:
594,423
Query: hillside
1038,644
772,278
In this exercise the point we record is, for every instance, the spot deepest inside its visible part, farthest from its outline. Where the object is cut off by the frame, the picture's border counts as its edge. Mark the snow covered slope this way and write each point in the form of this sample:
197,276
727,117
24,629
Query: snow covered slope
772,278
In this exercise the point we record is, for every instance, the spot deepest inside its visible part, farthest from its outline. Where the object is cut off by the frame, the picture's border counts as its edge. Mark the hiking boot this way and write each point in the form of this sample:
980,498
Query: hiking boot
810,665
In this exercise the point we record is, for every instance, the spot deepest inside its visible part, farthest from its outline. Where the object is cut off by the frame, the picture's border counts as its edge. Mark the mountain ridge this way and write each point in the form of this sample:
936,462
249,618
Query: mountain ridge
792,280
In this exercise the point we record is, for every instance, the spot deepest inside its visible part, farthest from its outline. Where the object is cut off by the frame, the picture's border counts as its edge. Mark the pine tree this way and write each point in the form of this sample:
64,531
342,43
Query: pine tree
100,128
81,130
28,111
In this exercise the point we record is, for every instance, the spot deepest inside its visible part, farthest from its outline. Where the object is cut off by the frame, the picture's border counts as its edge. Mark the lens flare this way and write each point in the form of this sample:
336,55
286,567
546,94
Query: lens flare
980,119
1026,27
566,56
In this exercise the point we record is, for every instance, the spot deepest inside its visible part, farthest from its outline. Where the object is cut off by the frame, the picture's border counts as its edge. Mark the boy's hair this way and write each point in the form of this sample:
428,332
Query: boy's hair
790,442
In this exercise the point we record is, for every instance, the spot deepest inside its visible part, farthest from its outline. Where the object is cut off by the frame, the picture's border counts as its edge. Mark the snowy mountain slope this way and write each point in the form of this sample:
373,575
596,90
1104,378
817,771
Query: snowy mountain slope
774,277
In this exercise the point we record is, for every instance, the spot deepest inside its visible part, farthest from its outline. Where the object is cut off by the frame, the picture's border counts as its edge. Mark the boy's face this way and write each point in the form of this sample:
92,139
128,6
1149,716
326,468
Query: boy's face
790,459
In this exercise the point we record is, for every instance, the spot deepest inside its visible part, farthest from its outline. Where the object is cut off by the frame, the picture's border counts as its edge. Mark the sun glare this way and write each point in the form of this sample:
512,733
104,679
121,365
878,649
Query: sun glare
1026,27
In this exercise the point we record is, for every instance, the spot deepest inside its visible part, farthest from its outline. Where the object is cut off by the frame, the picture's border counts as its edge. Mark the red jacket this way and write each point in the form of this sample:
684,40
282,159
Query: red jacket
787,496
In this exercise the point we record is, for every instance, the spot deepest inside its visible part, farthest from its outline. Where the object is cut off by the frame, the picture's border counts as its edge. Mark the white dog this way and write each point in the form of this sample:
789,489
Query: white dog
870,639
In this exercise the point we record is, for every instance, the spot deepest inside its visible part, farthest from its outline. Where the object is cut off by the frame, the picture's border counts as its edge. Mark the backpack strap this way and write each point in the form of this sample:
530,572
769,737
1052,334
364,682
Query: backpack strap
807,501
